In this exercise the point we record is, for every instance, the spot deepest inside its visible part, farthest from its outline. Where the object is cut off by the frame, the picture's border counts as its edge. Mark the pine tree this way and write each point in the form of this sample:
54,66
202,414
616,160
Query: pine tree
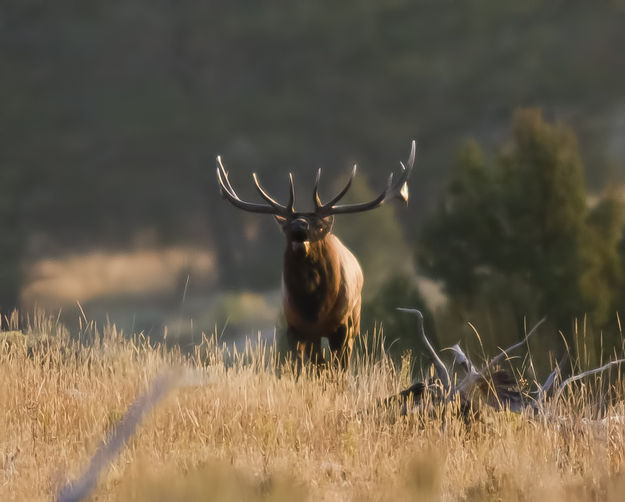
515,236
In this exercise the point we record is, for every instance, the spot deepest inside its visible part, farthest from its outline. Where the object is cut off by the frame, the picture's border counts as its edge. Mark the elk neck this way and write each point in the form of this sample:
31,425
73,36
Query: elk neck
312,276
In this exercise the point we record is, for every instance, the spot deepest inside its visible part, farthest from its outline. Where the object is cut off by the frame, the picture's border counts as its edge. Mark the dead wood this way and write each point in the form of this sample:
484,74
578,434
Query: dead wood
489,384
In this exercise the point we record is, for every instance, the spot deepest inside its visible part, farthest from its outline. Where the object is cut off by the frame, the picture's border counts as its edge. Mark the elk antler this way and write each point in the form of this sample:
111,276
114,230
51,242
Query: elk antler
273,206
394,189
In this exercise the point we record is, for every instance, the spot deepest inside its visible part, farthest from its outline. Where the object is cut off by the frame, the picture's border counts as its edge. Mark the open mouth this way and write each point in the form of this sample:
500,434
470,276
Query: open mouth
300,247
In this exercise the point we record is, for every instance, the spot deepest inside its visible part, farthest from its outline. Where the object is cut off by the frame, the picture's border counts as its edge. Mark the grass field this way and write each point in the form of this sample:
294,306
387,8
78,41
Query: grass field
250,430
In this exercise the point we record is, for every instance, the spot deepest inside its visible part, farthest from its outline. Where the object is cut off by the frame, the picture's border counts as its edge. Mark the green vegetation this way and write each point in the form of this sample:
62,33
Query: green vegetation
514,235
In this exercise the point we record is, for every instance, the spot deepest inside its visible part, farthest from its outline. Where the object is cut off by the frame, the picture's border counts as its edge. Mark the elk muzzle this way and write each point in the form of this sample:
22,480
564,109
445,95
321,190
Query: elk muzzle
299,233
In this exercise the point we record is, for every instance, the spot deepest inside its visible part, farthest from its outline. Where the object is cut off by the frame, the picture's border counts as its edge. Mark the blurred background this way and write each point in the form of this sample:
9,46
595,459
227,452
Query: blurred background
113,112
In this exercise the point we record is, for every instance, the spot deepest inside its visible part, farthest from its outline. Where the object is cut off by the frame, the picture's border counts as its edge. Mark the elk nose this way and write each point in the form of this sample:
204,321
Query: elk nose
300,230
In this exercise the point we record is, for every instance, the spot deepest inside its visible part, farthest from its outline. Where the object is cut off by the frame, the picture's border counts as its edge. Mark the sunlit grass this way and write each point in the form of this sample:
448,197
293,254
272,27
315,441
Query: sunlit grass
96,275
248,429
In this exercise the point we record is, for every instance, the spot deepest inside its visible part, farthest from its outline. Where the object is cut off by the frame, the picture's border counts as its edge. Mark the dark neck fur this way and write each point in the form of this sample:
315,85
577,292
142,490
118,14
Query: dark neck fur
309,278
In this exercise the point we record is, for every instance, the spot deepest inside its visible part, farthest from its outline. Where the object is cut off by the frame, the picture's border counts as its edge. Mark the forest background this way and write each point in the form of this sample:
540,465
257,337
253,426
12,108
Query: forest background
113,112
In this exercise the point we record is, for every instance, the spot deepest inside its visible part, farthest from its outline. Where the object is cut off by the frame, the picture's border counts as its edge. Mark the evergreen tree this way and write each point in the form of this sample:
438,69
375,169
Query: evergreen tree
514,235
602,280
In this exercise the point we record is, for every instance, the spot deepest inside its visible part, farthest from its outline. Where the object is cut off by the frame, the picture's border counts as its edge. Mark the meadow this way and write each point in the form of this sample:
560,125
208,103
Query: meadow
243,426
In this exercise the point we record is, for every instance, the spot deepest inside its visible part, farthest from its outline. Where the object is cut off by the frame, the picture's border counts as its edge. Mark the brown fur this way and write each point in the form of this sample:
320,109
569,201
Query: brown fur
321,297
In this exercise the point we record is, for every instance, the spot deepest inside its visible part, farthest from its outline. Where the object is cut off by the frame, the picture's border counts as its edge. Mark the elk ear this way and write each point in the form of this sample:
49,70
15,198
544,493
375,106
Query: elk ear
280,220
330,223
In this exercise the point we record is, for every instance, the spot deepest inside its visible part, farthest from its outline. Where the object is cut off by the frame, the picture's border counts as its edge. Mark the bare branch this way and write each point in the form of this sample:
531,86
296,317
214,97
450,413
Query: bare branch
574,378
504,353
441,370
546,387
461,358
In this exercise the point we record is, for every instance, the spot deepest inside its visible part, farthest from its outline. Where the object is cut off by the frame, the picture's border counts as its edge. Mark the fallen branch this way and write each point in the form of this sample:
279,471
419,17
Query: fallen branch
504,353
542,391
574,378
441,369
498,388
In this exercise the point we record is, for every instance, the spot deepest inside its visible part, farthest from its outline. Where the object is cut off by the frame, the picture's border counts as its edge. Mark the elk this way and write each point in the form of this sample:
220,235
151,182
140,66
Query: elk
321,279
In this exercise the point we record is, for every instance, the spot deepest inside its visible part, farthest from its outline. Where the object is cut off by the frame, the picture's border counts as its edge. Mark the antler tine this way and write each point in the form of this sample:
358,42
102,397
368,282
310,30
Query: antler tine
398,189
316,198
411,157
222,175
229,194
329,209
342,193
403,192
319,206
267,197
289,206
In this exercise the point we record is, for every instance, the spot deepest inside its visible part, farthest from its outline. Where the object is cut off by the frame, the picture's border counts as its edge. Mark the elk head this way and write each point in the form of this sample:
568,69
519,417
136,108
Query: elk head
322,280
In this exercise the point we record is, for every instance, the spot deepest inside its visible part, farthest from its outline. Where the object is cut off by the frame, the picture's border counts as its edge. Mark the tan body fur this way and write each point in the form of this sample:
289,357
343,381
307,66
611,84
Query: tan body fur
322,286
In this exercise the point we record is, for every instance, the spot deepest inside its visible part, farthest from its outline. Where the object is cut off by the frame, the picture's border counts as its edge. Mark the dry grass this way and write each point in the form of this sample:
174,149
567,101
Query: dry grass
251,431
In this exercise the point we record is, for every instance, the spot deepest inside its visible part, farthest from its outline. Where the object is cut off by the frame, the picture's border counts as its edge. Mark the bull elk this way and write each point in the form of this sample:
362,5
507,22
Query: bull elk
321,279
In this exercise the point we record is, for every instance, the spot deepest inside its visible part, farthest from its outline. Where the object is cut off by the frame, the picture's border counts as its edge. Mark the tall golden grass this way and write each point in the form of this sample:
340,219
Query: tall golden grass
249,429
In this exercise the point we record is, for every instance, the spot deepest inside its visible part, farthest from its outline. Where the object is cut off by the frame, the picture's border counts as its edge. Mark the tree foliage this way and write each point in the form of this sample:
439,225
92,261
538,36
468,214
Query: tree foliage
517,232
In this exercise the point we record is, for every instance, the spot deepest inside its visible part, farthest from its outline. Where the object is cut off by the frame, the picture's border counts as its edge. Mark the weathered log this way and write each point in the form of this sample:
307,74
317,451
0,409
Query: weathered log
490,385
